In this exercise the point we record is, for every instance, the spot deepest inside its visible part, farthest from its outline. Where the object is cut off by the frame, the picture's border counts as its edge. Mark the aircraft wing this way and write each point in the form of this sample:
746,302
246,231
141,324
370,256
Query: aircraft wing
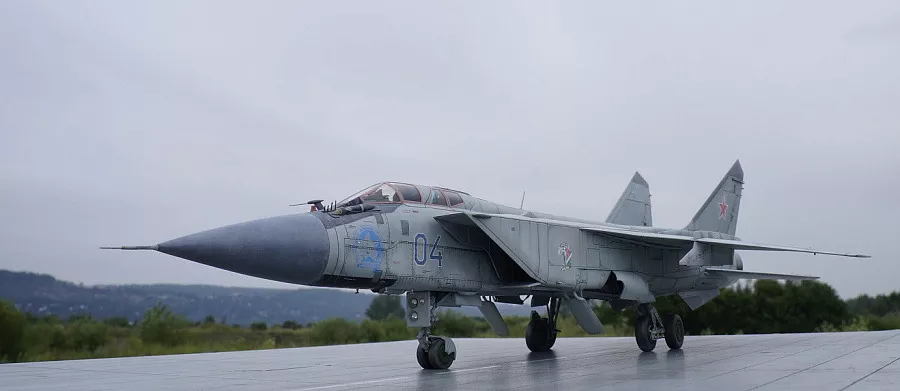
739,245
660,239
734,244
733,273
644,237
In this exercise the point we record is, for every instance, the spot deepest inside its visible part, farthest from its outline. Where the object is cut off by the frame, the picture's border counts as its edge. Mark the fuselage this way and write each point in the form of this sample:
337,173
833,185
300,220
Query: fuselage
400,237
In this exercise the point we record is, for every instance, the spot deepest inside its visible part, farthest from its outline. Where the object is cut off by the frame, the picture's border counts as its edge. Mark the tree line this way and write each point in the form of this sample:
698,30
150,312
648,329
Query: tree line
758,307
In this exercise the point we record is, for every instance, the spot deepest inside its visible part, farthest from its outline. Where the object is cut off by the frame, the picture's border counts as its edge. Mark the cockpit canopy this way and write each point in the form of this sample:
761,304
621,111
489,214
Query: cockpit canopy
396,192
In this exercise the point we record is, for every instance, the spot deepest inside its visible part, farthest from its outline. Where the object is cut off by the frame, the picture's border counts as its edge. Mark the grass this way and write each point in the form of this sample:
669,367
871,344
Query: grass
48,342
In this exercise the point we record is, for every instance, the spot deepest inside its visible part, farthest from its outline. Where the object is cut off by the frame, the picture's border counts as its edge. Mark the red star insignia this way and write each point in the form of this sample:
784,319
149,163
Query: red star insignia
722,208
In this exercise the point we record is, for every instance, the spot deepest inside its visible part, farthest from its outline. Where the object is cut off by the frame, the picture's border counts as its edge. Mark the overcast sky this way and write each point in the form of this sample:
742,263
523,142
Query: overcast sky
125,122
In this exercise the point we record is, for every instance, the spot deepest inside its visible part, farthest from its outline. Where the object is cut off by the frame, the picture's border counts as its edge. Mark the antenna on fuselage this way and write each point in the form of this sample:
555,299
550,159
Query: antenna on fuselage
522,204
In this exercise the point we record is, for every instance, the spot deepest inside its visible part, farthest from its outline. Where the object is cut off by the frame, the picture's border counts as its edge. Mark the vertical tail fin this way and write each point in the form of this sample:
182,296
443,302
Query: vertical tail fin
720,212
633,207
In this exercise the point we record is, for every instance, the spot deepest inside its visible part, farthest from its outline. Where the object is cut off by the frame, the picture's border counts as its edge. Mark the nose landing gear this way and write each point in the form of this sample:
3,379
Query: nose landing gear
434,352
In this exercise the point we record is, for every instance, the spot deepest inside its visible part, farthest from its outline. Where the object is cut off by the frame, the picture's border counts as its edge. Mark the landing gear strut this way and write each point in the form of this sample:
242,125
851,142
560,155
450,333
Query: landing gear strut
649,326
434,351
540,335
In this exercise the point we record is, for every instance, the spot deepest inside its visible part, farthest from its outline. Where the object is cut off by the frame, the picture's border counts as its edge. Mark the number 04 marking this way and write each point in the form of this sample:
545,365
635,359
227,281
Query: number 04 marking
434,248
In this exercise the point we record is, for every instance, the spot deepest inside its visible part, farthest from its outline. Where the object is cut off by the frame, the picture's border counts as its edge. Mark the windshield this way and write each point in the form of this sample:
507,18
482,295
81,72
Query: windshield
378,193
356,195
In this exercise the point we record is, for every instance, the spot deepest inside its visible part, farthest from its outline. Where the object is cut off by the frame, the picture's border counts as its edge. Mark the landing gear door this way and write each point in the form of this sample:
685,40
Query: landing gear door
367,247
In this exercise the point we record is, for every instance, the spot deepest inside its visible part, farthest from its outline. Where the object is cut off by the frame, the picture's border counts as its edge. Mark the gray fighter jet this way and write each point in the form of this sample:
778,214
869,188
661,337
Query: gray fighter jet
445,248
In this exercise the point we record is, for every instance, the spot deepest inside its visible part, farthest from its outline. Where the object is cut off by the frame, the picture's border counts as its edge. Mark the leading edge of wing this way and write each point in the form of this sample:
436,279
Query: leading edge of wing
756,275
649,237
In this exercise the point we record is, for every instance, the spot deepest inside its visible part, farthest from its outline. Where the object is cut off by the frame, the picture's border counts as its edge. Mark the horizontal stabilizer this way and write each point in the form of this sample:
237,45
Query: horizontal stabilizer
732,273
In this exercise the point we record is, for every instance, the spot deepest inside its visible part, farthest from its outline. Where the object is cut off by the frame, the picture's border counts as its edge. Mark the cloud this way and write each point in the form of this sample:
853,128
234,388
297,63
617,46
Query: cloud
140,122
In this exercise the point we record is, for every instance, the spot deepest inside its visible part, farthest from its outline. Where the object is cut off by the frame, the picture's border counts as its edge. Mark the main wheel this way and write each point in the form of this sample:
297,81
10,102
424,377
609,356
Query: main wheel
552,340
642,334
438,356
538,335
422,358
674,331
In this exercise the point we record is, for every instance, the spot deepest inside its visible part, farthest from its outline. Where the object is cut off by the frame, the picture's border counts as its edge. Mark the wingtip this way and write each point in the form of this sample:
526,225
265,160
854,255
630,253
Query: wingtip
638,179
736,170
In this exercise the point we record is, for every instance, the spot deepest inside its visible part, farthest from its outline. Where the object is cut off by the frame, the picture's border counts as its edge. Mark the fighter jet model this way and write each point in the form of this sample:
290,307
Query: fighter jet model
445,248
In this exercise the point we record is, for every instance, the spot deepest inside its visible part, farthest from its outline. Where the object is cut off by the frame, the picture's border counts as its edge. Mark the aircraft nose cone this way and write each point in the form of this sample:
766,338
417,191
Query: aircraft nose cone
291,248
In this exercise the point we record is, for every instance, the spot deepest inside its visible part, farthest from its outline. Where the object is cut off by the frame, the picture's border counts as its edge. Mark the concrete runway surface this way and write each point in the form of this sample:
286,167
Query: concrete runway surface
820,362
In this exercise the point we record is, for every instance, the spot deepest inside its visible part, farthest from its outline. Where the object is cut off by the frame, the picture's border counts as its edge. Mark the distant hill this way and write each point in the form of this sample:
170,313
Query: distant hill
42,294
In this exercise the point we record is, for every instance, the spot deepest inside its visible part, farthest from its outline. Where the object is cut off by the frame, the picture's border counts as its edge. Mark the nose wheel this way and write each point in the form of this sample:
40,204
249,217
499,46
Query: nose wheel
434,351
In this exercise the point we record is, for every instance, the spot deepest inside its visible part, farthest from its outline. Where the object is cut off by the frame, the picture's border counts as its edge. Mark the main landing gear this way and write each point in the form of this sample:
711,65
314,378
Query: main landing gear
649,326
540,335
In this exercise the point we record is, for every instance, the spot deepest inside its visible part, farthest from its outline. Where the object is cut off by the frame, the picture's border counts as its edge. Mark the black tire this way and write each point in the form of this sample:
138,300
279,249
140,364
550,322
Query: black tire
538,335
642,335
674,331
438,357
422,358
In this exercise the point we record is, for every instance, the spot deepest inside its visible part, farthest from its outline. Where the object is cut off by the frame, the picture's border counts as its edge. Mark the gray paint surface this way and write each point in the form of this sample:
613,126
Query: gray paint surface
431,246
821,362
290,248
633,206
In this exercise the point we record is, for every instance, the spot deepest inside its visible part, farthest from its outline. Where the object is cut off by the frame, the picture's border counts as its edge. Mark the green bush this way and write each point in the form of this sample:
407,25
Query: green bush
161,326
117,321
57,338
373,331
453,324
77,317
384,307
86,334
395,329
336,331
608,316
887,322
12,332
760,307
